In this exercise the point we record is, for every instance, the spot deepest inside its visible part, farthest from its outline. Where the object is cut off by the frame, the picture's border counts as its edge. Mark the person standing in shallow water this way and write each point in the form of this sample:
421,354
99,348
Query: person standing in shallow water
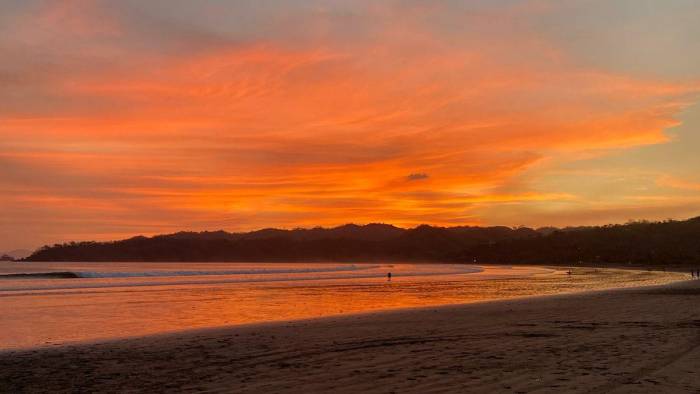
388,276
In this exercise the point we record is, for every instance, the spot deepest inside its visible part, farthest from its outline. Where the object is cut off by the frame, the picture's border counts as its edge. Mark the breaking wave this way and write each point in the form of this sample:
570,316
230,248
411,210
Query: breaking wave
149,274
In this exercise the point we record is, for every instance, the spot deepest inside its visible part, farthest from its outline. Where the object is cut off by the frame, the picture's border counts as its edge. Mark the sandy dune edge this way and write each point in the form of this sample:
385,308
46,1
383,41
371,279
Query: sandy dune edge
631,340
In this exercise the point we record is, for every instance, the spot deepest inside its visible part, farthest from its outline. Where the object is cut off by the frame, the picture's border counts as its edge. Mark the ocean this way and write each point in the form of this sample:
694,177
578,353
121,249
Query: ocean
53,304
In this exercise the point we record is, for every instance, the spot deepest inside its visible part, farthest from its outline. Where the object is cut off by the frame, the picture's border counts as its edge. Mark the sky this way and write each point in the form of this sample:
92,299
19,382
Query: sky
132,117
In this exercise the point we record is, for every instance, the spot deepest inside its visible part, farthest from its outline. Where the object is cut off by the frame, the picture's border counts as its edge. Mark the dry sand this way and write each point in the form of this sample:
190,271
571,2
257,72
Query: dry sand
632,340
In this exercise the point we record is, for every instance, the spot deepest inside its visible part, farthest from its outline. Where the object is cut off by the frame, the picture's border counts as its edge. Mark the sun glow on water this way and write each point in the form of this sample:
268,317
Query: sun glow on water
131,299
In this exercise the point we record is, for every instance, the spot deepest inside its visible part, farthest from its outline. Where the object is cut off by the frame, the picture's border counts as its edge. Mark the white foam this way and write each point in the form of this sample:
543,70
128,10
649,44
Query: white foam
121,278
143,274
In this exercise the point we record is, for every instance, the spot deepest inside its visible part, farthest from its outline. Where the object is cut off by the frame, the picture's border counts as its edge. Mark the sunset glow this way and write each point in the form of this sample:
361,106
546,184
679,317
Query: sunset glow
123,118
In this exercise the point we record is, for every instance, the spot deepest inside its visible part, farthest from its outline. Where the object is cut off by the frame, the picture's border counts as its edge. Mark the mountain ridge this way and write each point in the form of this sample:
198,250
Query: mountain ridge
660,243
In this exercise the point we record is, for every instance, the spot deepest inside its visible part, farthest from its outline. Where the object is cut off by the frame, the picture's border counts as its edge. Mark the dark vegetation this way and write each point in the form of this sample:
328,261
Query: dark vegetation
670,243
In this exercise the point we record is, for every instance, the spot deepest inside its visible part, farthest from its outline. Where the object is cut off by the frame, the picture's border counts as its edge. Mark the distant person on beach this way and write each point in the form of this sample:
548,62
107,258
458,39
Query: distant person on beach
388,277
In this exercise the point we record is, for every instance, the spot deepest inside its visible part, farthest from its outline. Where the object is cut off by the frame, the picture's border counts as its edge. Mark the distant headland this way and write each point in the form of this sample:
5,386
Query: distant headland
671,243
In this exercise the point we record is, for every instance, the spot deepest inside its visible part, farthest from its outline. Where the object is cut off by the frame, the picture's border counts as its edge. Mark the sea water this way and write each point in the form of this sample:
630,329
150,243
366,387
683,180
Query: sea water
51,304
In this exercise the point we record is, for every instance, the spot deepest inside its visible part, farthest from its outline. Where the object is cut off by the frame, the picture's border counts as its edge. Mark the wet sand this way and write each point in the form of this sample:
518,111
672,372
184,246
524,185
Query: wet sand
644,340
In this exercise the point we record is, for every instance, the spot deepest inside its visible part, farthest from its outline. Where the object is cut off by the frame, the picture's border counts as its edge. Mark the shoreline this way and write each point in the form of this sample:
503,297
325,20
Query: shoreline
620,337
182,331
349,315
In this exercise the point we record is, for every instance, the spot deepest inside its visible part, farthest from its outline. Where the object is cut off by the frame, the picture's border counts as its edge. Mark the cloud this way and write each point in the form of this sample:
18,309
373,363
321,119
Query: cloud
676,183
417,176
143,114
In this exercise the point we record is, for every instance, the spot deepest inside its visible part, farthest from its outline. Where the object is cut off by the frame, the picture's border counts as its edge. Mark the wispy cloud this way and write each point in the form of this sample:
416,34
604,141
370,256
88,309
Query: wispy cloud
148,117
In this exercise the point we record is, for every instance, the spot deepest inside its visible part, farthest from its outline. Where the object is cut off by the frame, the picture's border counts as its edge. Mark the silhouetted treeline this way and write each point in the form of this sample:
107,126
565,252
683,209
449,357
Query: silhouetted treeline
344,243
670,242
640,243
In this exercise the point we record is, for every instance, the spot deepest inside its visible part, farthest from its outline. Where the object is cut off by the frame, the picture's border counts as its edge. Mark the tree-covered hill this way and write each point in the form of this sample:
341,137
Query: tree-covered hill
658,243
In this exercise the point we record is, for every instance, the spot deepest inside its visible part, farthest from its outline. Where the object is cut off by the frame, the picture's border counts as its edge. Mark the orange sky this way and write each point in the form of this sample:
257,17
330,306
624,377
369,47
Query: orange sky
122,118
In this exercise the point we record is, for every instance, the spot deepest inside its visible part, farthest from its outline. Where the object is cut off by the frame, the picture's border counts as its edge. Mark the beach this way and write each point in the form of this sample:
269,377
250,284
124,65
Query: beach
626,340
313,196
108,301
